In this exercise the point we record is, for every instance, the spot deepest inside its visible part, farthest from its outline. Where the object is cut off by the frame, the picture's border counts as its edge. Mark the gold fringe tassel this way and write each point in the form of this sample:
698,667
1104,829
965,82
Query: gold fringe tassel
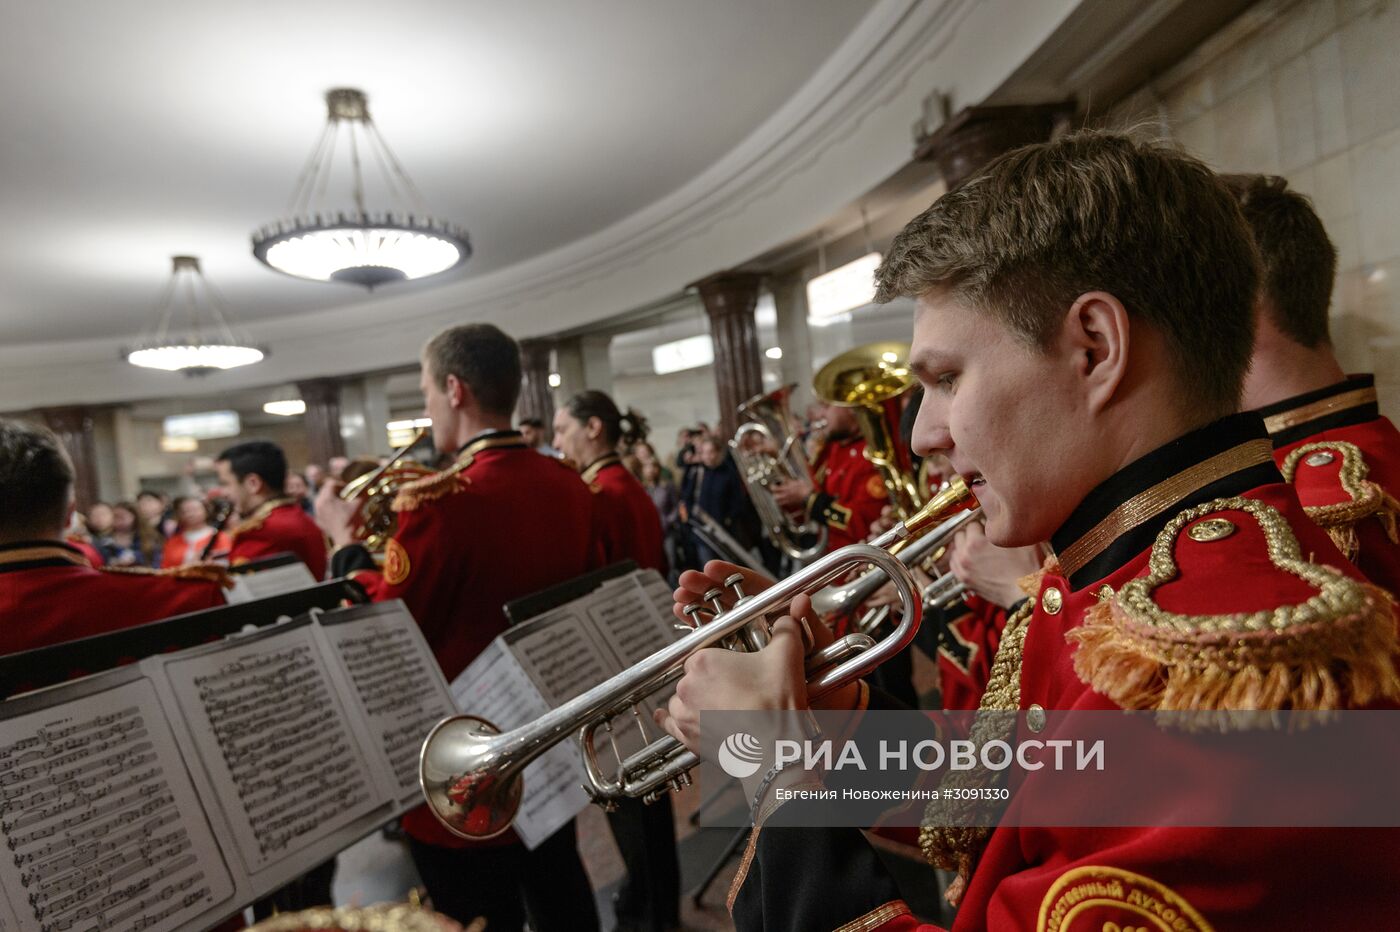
1347,661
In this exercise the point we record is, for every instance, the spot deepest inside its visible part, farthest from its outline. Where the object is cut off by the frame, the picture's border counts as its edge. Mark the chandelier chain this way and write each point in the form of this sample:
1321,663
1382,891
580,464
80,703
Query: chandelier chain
306,181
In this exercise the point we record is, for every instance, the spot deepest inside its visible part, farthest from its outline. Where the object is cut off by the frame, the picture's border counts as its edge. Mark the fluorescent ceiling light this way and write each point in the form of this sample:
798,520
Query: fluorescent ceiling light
774,352
287,408
206,425
411,423
843,289
690,353
555,380
178,444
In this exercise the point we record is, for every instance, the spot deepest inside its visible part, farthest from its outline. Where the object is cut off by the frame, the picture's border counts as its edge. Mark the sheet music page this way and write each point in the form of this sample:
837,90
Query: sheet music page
395,681
495,687
272,732
101,823
627,616
289,578
560,652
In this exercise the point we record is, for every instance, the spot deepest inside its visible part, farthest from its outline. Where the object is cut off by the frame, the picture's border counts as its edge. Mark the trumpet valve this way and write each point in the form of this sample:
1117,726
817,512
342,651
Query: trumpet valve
692,611
714,596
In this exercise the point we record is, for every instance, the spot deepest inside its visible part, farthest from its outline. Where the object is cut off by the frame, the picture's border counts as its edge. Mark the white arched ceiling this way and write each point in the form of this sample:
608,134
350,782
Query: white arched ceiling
602,155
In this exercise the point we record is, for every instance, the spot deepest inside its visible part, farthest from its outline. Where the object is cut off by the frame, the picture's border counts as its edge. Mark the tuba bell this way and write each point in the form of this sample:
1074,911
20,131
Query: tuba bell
375,520
768,451
872,380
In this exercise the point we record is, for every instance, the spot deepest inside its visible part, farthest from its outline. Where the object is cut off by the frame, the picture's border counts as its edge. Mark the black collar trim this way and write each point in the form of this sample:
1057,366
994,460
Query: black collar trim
1121,517
1348,403
492,440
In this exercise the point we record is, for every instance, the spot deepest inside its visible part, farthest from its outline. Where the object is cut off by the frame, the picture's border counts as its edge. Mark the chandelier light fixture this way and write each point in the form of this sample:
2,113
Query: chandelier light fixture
358,246
190,332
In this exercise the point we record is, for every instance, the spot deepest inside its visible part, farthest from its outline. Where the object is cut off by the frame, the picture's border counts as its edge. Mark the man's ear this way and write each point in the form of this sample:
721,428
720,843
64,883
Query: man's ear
594,428
1096,333
459,394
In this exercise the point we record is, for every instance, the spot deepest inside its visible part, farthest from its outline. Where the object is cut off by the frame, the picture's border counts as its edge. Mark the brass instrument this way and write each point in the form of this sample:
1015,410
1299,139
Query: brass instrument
376,521
943,591
871,380
470,771
768,451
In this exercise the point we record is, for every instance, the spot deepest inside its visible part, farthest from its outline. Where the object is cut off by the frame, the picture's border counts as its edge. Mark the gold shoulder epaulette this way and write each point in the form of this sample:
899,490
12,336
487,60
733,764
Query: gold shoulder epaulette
1333,650
205,572
430,488
1357,497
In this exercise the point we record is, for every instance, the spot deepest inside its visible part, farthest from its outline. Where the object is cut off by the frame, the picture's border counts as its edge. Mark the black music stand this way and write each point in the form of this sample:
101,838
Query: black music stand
47,666
286,558
537,603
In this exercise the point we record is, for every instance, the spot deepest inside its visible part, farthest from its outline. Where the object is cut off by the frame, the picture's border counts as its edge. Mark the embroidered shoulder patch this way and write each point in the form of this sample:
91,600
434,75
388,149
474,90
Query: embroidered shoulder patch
1099,898
430,488
396,564
1330,651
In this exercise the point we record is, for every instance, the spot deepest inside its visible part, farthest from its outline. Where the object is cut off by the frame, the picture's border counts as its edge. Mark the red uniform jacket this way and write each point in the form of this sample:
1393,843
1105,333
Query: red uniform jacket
279,526
965,652
627,519
1215,504
49,594
849,494
501,523
1343,457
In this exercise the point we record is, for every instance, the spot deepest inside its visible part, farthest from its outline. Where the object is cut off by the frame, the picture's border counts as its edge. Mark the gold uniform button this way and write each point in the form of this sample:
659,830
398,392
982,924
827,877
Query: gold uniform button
1035,717
1211,529
1320,458
1051,601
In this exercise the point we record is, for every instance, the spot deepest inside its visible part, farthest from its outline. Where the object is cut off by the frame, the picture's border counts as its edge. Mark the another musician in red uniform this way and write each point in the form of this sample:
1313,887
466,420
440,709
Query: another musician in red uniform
253,475
848,493
1083,330
49,592
589,430
1330,438
500,523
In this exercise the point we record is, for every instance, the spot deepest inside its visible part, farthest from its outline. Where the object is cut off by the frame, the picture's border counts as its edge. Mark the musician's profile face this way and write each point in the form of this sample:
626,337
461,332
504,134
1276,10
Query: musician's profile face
437,406
1002,412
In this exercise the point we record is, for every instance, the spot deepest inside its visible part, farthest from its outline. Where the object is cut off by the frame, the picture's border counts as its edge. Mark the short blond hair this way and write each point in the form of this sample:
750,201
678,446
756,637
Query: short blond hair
1096,211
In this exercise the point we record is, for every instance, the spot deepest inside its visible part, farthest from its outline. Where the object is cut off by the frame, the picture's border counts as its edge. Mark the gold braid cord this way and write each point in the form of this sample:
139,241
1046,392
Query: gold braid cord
399,917
204,572
1331,651
1367,498
955,847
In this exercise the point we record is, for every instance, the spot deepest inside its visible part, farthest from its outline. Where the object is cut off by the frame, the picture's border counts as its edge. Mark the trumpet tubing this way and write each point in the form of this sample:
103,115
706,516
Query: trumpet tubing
470,771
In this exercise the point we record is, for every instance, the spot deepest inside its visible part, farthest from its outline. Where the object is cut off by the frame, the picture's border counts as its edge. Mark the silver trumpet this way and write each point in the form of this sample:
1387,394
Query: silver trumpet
471,772
940,593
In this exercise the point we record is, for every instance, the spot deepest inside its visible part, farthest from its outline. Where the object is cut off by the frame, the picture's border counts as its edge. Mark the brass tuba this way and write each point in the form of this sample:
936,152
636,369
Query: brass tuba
376,521
871,380
768,451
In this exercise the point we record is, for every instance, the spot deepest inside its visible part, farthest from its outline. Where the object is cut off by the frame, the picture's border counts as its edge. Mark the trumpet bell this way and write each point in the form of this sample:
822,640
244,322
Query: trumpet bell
472,799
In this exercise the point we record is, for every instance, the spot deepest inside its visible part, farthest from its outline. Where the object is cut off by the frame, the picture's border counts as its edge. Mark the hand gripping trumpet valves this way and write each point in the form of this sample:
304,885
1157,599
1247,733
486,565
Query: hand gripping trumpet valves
470,771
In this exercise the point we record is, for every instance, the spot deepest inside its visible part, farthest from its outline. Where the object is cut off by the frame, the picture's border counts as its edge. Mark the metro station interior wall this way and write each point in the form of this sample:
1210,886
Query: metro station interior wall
1308,89
670,402
146,466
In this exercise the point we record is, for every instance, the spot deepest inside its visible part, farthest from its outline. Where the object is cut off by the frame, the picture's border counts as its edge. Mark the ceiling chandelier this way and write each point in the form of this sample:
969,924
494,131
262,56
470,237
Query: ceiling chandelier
200,340
358,246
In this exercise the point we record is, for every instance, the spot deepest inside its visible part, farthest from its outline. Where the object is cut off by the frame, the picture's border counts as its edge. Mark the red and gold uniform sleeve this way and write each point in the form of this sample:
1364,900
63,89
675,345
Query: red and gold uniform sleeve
49,594
849,494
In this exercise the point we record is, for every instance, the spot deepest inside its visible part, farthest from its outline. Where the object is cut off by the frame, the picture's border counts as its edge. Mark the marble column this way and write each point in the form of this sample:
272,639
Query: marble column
322,419
730,298
975,135
75,427
536,396
794,336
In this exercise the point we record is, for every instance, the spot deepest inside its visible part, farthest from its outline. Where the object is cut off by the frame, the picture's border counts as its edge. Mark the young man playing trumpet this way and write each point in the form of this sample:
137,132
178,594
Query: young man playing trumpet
1084,325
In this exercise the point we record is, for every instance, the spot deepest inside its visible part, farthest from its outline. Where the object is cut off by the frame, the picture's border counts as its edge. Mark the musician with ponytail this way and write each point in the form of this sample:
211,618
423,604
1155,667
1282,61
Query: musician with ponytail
591,431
